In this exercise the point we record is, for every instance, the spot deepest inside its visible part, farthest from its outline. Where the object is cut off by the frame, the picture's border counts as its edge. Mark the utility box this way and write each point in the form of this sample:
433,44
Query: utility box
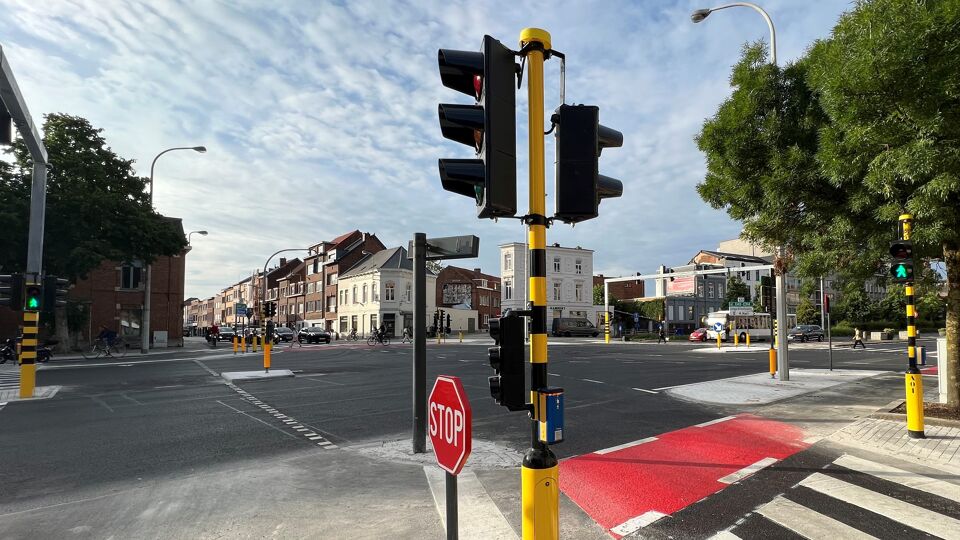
160,339
551,409
942,368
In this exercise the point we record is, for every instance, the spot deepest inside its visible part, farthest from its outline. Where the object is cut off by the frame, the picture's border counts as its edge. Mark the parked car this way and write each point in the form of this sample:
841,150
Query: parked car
564,326
227,334
313,334
282,333
700,334
805,332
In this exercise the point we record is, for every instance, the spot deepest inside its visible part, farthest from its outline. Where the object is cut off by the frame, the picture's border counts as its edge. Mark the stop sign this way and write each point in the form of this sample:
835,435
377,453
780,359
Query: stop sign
450,421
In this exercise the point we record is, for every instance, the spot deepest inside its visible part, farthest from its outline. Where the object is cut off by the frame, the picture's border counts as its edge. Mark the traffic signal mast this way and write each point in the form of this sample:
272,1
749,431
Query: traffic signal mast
579,185
902,272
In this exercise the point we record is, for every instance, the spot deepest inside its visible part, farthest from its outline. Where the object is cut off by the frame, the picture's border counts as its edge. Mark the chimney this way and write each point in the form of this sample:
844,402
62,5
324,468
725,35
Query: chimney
283,261
476,271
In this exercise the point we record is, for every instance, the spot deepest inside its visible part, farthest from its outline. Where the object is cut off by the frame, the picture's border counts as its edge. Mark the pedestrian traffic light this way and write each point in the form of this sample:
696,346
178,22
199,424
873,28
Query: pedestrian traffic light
54,292
489,126
901,269
767,293
33,297
448,321
507,386
579,185
11,290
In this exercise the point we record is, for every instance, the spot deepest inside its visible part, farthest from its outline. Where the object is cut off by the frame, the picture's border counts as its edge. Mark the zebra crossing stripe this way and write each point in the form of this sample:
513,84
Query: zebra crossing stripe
900,476
909,514
808,523
724,535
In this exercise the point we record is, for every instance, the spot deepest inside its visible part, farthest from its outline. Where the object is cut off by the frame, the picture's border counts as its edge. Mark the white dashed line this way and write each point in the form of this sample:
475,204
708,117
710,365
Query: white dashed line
647,391
593,381
288,421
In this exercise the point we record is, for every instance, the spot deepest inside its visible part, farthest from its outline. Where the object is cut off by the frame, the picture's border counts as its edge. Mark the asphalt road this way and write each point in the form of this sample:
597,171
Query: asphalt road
118,423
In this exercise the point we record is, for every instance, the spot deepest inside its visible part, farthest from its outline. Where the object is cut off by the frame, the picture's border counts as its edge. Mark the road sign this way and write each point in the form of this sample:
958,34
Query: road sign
718,326
450,421
450,247
741,308
636,317
248,312
240,308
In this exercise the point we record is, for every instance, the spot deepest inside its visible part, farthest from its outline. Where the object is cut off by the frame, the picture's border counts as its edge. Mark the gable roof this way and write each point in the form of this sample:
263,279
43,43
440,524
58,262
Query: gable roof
344,236
395,258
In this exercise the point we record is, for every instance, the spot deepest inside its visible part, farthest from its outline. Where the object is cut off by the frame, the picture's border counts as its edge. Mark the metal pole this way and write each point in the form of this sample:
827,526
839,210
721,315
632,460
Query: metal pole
783,363
452,525
420,350
822,307
829,342
606,312
913,377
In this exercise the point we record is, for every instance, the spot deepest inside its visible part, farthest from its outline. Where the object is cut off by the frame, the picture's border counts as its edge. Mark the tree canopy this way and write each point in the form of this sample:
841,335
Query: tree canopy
97,208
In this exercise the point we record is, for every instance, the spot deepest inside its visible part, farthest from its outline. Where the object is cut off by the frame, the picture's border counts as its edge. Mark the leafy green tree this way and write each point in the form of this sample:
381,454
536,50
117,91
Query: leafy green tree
887,79
854,305
736,288
807,313
598,295
97,207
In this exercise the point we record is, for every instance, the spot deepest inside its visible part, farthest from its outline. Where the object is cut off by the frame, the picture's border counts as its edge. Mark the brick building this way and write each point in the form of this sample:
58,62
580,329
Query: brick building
622,290
470,288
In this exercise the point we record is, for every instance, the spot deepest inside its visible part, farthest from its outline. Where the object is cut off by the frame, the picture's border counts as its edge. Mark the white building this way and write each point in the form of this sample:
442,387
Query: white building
569,280
379,289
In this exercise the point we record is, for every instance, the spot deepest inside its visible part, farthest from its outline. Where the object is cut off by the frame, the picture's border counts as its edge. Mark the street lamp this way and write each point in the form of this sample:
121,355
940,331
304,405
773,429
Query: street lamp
783,365
264,299
145,320
201,233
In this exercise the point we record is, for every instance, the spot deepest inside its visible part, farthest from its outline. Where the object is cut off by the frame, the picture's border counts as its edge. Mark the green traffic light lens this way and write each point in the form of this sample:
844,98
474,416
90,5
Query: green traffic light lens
901,271
33,303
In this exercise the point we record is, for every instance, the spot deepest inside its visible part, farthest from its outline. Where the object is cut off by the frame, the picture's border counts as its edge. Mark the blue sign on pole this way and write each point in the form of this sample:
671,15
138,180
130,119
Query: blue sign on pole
718,327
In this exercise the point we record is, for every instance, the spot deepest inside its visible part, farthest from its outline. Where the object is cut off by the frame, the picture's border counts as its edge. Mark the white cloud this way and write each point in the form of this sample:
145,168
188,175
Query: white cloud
322,117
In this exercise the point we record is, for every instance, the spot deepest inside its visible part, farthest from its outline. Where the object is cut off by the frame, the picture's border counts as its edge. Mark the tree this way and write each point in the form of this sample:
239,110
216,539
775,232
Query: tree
887,80
854,305
97,208
807,313
598,295
736,289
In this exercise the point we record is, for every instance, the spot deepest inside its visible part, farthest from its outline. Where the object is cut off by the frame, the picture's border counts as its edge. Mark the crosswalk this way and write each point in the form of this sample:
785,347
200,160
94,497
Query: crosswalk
9,376
856,498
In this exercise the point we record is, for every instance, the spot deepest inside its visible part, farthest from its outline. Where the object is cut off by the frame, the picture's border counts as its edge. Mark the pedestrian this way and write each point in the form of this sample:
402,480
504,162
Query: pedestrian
661,335
858,338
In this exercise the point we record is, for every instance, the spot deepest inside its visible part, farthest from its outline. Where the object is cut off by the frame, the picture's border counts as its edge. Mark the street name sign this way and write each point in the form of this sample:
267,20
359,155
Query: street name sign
739,309
450,423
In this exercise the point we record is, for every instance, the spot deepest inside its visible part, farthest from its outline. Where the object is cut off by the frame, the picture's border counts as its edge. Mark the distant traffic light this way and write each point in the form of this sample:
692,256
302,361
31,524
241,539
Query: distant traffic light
33,297
901,269
580,139
11,290
507,359
489,126
767,293
54,292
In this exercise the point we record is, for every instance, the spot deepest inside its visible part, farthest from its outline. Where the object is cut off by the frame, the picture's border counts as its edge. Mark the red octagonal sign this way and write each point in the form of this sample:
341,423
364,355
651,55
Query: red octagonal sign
450,421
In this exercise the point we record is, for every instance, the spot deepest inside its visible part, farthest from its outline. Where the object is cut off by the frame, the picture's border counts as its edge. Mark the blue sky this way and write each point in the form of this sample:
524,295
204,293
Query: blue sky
321,117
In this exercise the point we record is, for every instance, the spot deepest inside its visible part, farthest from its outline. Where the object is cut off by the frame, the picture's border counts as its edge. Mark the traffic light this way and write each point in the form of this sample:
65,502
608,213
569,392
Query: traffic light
448,322
901,269
33,297
507,386
54,292
489,126
767,293
580,139
11,290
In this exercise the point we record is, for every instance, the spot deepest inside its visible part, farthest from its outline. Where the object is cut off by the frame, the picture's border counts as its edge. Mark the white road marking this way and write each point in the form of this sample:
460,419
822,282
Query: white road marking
808,523
911,515
647,391
711,422
478,516
747,471
635,524
900,476
593,381
625,445
724,535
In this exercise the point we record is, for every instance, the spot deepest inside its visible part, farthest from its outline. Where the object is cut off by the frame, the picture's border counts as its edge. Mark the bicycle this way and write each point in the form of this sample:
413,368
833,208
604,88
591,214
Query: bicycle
353,335
377,338
115,349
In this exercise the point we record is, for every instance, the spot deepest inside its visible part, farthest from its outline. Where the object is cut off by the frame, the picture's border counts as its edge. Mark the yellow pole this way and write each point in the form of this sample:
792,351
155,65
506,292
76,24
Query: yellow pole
718,340
28,354
267,347
913,378
539,472
748,338
461,336
773,362
606,326
236,344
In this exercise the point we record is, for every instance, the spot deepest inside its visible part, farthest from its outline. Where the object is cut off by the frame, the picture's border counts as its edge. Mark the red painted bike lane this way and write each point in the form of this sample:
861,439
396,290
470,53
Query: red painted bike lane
627,487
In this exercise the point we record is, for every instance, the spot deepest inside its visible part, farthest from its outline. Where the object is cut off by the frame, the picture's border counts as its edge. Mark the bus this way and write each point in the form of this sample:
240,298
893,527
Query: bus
757,325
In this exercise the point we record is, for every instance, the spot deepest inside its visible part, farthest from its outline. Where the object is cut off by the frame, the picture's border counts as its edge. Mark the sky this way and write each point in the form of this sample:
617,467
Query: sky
321,117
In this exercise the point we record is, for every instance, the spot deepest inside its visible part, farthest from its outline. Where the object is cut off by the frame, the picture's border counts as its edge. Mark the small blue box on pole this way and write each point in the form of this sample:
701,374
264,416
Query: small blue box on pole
551,409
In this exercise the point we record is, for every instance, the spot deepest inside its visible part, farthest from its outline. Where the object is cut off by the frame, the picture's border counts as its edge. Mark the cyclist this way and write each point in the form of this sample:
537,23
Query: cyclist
106,336
381,332
213,336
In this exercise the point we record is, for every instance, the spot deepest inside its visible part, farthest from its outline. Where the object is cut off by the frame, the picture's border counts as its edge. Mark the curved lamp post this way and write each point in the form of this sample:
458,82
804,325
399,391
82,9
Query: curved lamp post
201,233
264,299
145,320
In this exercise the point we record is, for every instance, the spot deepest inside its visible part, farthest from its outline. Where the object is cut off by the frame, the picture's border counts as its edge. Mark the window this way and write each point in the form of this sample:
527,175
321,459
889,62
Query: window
364,297
316,266
700,290
408,293
507,261
130,321
354,296
343,324
556,291
670,313
709,290
507,289
496,302
556,264
130,276
484,300
578,292
283,291
579,266
375,292
340,296
331,278
388,291
331,303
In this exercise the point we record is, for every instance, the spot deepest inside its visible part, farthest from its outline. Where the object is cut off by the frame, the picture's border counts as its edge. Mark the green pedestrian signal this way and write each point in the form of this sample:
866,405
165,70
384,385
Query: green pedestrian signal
32,297
901,268
901,271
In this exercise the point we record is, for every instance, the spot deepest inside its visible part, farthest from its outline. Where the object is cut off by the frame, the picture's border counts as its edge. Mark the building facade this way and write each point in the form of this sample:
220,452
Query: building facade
569,280
470,290
379,289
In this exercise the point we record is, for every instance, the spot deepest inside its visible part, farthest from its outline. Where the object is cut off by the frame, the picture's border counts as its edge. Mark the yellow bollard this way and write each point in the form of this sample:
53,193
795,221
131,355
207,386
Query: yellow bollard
736,339
718,341
748,340
461,336
236,344
773,362
266,356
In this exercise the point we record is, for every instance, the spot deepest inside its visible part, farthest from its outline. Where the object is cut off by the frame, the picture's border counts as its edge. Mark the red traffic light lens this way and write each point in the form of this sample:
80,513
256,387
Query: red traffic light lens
478,85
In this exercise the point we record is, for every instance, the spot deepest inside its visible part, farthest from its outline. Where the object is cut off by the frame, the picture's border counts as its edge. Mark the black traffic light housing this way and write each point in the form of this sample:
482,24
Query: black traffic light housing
507,359
33,297
489,126
11,291
901,269
54,292
579,185
768,292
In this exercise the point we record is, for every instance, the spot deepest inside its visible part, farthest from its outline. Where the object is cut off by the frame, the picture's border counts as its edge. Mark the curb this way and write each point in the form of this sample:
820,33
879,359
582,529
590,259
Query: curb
883,413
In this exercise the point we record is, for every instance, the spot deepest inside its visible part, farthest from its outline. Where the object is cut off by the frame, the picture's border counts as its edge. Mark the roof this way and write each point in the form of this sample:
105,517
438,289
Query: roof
344,236
395,258
732,257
